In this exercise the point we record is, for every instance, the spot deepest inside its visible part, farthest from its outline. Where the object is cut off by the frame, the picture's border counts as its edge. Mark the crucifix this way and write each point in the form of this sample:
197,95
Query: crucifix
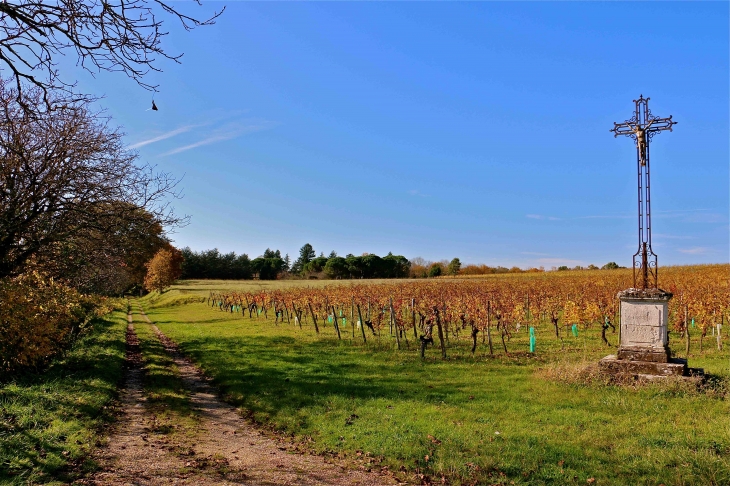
641,128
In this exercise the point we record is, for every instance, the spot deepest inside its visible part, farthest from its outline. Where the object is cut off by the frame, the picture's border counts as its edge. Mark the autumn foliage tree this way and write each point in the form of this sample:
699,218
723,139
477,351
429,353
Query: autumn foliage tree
67,178
164,268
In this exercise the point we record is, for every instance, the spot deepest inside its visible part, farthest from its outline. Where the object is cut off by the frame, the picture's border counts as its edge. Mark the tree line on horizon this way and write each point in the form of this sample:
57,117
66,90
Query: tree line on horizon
212,264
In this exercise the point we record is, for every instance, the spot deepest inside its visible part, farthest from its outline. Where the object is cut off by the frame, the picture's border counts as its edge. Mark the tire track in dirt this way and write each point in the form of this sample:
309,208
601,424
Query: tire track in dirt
132,456
226,448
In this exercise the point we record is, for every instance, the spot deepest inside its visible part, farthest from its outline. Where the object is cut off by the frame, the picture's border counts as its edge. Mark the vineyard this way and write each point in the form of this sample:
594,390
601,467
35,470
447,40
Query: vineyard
486,311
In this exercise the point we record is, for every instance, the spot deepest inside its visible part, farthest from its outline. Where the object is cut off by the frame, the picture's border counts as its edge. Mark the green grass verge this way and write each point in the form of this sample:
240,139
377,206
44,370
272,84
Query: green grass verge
49,422
475,420
166,395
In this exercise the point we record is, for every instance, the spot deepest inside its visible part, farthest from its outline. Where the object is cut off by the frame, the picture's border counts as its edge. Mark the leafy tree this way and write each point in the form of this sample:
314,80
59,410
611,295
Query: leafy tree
354,266
316,265
336,267
306,254
267,268
454,267
164,268
66,175
106,263
610,266
435,271
395,266
272,254
563,268
212,264
333,254
287,263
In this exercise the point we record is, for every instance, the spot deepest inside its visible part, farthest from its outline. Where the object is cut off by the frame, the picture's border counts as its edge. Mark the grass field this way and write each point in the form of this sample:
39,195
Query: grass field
49,422
473,420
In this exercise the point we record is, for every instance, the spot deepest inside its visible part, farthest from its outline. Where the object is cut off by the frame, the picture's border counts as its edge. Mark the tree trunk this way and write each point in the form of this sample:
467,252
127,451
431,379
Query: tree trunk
441,333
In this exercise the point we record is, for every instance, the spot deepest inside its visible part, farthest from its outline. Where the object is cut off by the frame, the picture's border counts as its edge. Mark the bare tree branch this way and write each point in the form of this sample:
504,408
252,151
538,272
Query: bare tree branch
64,173
106,35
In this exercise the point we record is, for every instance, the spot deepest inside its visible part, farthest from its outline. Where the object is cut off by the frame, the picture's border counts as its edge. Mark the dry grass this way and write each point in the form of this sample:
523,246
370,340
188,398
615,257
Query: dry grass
588,374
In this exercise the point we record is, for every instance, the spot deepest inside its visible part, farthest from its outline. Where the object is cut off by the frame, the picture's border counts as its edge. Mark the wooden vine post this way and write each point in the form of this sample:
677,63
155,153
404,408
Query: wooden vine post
686,332
394,323
489,327
413,317
334,319
314,318
362,324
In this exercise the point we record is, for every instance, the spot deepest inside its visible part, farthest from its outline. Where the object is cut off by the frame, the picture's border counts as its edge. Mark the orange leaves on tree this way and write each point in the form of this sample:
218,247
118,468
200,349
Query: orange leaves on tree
164,268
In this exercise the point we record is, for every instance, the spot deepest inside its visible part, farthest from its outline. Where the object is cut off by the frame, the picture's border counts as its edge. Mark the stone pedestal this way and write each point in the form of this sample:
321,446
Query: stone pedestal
644,344
644,315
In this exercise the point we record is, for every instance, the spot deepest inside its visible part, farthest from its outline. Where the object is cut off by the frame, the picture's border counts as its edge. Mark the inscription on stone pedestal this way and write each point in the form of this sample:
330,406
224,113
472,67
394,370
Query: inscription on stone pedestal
644,325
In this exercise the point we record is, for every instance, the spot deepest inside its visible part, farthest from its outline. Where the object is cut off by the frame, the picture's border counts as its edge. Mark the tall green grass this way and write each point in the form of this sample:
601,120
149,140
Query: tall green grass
472,419
50,421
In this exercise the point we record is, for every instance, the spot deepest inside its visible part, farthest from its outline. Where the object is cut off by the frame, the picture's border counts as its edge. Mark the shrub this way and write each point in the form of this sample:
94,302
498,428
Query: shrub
39,319
436,270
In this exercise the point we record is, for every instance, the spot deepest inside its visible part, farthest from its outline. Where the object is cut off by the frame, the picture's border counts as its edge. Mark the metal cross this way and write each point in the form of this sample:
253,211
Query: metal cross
641,128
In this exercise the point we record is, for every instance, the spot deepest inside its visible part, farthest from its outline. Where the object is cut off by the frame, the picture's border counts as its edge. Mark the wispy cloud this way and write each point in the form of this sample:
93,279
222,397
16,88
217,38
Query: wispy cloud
535,253
701,215
697,250
540,216
164,136
676,211
228,132
606,216
674,237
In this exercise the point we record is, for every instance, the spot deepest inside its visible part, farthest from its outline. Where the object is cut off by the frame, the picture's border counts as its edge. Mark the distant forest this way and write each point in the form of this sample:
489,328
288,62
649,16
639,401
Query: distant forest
212,264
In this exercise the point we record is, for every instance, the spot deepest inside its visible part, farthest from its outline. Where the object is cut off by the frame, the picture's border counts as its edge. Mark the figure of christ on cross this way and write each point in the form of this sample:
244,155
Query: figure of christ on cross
641,128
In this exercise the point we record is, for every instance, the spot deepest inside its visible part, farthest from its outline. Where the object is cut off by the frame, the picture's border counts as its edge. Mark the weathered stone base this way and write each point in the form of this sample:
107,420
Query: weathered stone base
658,355
648,370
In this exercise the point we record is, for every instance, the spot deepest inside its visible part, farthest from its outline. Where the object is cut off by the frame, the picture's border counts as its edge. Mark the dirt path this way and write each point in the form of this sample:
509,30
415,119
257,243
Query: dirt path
225,449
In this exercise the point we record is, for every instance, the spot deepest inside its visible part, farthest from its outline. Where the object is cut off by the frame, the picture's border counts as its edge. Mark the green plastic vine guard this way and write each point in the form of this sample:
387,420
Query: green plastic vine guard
532,339
575,330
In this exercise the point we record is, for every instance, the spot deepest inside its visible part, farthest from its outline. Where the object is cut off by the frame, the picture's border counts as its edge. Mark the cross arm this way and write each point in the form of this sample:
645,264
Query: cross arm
625,128
658,124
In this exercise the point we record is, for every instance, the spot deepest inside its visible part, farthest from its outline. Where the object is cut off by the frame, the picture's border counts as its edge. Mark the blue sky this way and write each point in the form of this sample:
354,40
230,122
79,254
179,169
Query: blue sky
474,130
